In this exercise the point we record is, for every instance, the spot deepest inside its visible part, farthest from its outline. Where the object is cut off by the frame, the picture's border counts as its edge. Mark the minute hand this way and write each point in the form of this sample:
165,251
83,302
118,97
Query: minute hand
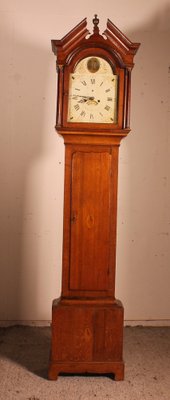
84,97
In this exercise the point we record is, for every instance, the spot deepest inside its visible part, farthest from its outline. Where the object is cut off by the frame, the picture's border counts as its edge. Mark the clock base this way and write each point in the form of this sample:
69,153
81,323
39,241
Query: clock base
87,338
114,368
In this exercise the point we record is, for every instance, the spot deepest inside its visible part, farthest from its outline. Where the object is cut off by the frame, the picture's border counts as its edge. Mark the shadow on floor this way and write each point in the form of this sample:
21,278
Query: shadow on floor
28,347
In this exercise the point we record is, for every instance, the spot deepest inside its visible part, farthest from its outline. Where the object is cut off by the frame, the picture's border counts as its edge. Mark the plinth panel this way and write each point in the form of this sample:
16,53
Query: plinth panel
87,339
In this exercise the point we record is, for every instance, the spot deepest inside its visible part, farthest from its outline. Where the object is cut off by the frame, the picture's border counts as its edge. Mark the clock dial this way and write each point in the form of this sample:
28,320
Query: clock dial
93,92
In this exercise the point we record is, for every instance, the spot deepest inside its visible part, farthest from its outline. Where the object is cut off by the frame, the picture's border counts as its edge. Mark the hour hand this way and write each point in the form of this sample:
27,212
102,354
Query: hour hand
83,98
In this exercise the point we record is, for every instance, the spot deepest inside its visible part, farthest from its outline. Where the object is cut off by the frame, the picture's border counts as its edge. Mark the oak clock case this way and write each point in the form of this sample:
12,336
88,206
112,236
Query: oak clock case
93,108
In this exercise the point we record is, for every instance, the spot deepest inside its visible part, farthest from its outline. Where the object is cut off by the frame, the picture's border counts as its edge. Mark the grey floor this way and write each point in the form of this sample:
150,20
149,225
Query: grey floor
24,353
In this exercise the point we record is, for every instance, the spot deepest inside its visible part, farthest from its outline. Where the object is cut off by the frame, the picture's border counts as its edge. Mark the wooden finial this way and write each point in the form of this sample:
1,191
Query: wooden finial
95,22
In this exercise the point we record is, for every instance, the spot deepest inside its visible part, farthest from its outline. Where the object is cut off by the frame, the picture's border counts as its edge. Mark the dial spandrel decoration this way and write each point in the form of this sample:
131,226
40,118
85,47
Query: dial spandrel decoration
93,92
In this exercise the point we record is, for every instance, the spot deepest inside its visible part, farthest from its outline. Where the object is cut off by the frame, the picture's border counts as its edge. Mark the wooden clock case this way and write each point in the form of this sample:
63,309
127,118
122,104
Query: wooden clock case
87,320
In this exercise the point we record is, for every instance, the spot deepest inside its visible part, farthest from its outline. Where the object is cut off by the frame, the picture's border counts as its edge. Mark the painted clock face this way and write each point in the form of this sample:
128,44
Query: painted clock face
93,92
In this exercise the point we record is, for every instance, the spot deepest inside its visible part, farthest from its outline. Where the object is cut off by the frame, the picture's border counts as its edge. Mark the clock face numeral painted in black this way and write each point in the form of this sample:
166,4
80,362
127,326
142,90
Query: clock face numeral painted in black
92,98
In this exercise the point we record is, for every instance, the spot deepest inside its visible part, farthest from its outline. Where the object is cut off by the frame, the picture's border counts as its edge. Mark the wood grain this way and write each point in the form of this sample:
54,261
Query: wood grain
89,258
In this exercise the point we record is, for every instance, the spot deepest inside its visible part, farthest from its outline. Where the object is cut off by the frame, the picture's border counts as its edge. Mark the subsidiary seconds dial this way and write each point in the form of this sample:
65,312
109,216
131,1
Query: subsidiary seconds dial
93,92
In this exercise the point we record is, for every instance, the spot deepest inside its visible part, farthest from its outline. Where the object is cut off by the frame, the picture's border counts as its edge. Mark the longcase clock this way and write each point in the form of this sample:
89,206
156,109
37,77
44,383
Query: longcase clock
93,103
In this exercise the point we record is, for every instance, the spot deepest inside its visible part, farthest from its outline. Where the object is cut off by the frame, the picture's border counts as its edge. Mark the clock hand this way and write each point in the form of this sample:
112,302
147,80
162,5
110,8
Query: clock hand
86,100
91,101
84,97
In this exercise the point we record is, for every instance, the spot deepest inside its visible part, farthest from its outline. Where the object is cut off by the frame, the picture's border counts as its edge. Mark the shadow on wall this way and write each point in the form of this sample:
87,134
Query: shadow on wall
26,167
27,241
143,179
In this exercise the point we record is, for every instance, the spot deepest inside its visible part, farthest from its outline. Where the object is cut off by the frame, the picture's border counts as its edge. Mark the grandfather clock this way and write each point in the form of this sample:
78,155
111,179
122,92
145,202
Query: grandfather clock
93,104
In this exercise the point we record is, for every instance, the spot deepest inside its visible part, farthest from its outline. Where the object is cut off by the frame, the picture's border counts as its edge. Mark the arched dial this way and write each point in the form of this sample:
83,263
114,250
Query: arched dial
92,92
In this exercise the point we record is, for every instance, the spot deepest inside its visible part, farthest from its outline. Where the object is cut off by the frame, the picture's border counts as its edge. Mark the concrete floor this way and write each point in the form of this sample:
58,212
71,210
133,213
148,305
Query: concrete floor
24,353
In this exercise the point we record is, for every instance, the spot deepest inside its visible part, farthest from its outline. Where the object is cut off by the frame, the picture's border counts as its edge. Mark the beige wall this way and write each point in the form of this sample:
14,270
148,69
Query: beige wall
31,158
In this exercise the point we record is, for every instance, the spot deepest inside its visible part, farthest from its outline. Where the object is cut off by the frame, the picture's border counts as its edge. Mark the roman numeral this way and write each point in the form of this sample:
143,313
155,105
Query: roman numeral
83,114
93,81
77,89
101,84
75,97
107,90
109,99
76,107
107,108
91,116
84,83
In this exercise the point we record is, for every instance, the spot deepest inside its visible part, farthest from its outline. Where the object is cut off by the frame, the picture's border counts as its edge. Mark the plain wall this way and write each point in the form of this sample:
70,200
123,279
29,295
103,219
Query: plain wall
32,159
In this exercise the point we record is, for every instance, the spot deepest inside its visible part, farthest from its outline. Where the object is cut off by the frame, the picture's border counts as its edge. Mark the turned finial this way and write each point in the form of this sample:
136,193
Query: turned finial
95,22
